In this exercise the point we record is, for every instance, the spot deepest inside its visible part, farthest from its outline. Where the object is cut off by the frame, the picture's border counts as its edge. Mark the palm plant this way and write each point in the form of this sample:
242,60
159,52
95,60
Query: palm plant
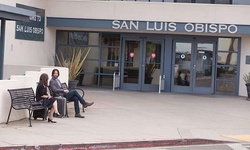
150,64
246,78
150,69
74,60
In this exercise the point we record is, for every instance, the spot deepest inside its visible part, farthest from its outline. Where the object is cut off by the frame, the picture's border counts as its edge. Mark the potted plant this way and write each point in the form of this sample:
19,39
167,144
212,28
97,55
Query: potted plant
73,60
149,71
246,78
150,62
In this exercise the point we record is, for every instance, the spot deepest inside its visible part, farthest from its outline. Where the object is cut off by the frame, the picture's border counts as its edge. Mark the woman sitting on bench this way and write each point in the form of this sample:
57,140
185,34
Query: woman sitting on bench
43,94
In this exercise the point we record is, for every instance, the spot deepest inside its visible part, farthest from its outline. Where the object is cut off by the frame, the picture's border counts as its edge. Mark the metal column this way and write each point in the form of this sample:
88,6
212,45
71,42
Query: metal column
2,41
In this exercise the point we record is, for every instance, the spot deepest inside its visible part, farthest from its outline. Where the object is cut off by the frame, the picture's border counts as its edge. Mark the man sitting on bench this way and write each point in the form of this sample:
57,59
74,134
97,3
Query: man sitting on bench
69,95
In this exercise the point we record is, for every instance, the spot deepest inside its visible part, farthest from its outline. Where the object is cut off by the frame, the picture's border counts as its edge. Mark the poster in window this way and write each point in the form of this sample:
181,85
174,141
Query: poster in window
78,38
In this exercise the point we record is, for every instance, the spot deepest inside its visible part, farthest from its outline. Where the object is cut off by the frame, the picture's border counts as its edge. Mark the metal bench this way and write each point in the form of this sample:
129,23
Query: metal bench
65,86
24,98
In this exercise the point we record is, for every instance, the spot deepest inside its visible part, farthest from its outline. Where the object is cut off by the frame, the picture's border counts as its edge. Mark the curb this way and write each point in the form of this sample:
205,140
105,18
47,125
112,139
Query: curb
119,145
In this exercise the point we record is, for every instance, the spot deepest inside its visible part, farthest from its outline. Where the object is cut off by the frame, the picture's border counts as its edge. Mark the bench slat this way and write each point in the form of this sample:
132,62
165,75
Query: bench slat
24,98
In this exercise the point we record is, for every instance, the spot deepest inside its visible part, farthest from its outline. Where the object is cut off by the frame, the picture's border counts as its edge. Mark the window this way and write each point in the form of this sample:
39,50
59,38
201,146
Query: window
223,1
226,73
205,1
183,1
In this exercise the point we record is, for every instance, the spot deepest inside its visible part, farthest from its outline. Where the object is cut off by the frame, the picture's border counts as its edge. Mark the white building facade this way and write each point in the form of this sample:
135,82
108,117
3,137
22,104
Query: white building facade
196,46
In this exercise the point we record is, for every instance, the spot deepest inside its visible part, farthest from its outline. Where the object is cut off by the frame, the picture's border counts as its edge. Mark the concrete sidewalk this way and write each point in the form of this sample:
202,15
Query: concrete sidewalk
125,116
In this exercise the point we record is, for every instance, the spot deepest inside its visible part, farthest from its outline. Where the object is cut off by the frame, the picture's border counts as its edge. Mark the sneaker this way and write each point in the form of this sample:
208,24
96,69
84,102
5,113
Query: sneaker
79,116
86,104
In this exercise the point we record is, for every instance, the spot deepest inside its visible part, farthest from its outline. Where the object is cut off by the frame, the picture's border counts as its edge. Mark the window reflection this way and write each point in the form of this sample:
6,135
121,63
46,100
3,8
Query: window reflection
132,54
93,53
225,87
182,63
203,1
223,1
88,80
226,73
62,37
204,60
106,80
183,1
110,50
228,44
131,61
94,39
110,53
227,58
227,64
78,38
102,59
91,66
72,38
152,62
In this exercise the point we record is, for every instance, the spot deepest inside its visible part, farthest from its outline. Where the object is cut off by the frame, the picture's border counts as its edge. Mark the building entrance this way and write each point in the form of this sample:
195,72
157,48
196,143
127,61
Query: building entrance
193,62
205,64
142,63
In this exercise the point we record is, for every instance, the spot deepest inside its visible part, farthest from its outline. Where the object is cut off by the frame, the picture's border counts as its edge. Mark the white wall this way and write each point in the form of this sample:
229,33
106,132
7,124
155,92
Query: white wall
153,11
24,52
244,68
30,79
18,70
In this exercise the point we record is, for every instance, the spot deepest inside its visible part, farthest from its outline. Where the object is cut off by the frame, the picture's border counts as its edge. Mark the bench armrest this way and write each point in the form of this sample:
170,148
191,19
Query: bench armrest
79,89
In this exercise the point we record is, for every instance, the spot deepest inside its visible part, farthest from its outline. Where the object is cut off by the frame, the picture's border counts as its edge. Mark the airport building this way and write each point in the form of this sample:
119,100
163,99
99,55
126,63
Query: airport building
180,46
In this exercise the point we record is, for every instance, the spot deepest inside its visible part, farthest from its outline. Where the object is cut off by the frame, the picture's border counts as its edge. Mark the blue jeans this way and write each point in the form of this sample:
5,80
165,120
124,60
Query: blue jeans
73,95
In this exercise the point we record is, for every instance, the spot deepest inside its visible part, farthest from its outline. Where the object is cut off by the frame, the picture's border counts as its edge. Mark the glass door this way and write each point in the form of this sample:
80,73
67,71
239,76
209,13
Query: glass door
203,67
182,70
152,64
193,70
131,64
141,64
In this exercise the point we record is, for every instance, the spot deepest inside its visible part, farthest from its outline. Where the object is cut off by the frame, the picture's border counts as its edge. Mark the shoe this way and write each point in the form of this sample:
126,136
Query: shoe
86,104
57,115
49,120
79,116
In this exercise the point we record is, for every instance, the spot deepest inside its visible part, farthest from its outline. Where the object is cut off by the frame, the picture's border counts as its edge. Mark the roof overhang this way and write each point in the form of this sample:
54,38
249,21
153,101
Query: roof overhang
14,13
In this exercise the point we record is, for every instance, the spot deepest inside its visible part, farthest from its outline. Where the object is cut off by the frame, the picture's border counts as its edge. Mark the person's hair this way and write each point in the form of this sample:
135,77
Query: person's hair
54,70
43,79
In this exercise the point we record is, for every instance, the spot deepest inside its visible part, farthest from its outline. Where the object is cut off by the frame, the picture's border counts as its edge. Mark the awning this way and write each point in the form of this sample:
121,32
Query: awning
14,13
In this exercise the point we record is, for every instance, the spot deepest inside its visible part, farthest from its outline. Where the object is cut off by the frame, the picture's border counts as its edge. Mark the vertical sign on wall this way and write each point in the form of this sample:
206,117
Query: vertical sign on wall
34,29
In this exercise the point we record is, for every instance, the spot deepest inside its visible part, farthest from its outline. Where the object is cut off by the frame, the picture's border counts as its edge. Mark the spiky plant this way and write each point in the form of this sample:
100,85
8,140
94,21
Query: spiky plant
74,60
149,70
246,77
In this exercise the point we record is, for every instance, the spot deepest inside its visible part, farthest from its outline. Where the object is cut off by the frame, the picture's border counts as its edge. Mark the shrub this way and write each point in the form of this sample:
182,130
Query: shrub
73,60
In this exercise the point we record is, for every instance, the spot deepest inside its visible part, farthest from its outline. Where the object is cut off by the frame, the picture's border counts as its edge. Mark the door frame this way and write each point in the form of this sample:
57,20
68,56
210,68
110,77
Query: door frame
141,86
153,87
191,88
130,86
205,90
